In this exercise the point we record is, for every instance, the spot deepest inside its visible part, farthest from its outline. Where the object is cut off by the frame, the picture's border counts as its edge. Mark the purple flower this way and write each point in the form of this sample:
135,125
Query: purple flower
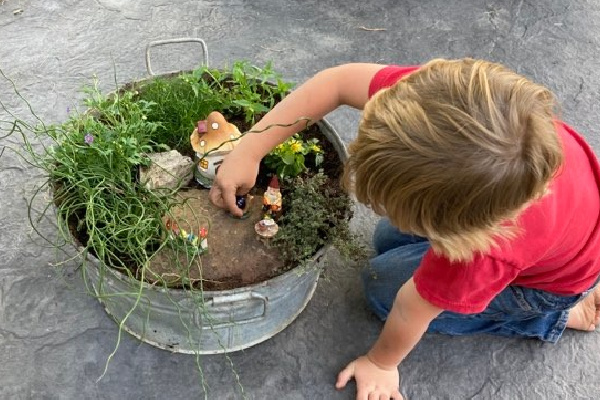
88,138
68,110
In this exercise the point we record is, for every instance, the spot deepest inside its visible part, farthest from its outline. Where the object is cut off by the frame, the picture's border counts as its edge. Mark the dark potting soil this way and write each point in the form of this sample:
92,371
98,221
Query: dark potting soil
236,255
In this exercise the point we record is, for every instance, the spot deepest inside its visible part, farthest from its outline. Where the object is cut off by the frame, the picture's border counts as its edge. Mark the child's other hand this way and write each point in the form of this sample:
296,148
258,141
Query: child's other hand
372,382
236,175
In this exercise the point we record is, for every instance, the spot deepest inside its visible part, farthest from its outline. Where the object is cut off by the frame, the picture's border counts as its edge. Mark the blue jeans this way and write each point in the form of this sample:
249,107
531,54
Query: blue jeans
516,311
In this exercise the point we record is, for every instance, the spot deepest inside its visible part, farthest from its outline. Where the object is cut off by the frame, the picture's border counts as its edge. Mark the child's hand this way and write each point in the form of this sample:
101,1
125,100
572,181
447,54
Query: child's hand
347,84
236,175
372,382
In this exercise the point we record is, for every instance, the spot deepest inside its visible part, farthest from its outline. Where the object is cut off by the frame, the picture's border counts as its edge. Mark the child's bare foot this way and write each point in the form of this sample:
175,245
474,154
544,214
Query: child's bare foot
585,316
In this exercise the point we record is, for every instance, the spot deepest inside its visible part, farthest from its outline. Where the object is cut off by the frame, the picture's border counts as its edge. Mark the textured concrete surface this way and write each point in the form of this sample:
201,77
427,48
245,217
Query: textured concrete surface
54,339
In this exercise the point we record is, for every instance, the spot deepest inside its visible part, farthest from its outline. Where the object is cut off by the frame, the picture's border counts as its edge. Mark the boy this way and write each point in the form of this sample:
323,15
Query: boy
491,205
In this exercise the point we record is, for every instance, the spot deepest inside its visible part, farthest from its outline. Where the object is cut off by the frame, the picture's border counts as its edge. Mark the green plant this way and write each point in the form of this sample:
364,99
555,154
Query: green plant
288,159
243,91
92,169
316,213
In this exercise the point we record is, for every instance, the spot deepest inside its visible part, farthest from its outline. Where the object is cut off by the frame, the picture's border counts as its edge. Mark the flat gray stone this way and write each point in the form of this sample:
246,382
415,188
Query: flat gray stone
55,338
167,169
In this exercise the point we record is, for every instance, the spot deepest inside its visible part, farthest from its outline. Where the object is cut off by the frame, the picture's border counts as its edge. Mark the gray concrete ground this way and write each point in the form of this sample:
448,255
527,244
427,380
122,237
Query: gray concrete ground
54,339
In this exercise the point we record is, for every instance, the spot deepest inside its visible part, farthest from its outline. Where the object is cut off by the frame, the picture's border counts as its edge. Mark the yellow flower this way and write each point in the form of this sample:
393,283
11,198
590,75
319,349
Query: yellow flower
296,147
315,148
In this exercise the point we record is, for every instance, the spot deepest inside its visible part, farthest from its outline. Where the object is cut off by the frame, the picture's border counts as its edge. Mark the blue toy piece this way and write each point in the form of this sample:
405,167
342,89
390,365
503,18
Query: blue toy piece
240,201
243,202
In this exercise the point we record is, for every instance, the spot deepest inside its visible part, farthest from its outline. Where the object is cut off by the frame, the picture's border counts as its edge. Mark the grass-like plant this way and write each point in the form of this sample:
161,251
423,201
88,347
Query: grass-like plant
243,91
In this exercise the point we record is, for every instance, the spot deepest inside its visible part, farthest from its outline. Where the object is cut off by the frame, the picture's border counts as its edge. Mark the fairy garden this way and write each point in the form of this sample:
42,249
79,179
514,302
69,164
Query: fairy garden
129,176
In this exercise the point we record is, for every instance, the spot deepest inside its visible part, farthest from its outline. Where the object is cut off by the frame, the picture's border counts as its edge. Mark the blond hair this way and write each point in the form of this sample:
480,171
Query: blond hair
454,152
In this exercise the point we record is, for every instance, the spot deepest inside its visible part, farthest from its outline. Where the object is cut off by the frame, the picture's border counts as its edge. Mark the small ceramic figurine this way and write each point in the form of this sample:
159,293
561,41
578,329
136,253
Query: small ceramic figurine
203,234
266,227
200,241
244,203
272,199
212,140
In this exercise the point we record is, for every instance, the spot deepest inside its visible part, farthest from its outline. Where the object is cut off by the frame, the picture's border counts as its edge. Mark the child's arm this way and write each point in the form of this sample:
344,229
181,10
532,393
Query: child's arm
376,373
343,85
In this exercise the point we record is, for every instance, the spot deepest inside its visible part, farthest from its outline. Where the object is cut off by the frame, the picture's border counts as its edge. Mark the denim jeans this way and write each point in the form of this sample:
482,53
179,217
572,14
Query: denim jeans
516,311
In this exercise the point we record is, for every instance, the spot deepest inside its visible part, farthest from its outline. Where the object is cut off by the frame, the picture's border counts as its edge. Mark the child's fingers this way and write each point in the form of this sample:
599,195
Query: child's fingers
344,376
215,195
228,195
223,196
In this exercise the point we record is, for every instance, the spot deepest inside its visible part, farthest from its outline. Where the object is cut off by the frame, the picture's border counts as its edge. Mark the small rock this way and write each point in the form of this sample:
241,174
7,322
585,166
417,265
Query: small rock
167,170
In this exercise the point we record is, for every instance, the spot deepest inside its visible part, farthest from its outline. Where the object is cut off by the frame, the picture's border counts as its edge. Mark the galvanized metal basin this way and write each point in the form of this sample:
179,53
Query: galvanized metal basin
204,322
208,322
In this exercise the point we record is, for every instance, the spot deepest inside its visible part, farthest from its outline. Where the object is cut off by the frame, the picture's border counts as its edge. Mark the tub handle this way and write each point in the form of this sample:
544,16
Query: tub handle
232,299
171,41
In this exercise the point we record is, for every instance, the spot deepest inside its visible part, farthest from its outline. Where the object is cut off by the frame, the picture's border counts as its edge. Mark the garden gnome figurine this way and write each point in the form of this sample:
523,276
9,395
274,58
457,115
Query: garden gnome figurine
272,199
212,140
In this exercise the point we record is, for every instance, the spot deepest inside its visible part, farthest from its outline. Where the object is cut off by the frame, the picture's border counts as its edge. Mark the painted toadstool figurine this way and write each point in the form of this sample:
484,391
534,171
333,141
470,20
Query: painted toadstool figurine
266,228
176,233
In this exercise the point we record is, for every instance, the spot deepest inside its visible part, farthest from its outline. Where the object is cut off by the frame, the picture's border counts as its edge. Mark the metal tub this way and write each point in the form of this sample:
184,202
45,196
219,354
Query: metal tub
208,322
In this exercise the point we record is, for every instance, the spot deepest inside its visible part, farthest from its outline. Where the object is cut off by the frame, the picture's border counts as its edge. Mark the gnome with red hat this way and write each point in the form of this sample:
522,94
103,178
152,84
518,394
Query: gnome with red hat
267,227
272,199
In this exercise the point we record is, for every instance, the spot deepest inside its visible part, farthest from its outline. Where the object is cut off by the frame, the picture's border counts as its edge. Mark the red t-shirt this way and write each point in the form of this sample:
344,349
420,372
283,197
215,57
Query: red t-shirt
558,249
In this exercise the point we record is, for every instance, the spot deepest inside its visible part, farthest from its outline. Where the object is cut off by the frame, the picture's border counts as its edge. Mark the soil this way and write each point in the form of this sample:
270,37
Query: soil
236,255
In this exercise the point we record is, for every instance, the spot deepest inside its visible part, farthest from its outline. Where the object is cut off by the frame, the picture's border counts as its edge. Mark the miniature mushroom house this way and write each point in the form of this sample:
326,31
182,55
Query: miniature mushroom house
212,140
